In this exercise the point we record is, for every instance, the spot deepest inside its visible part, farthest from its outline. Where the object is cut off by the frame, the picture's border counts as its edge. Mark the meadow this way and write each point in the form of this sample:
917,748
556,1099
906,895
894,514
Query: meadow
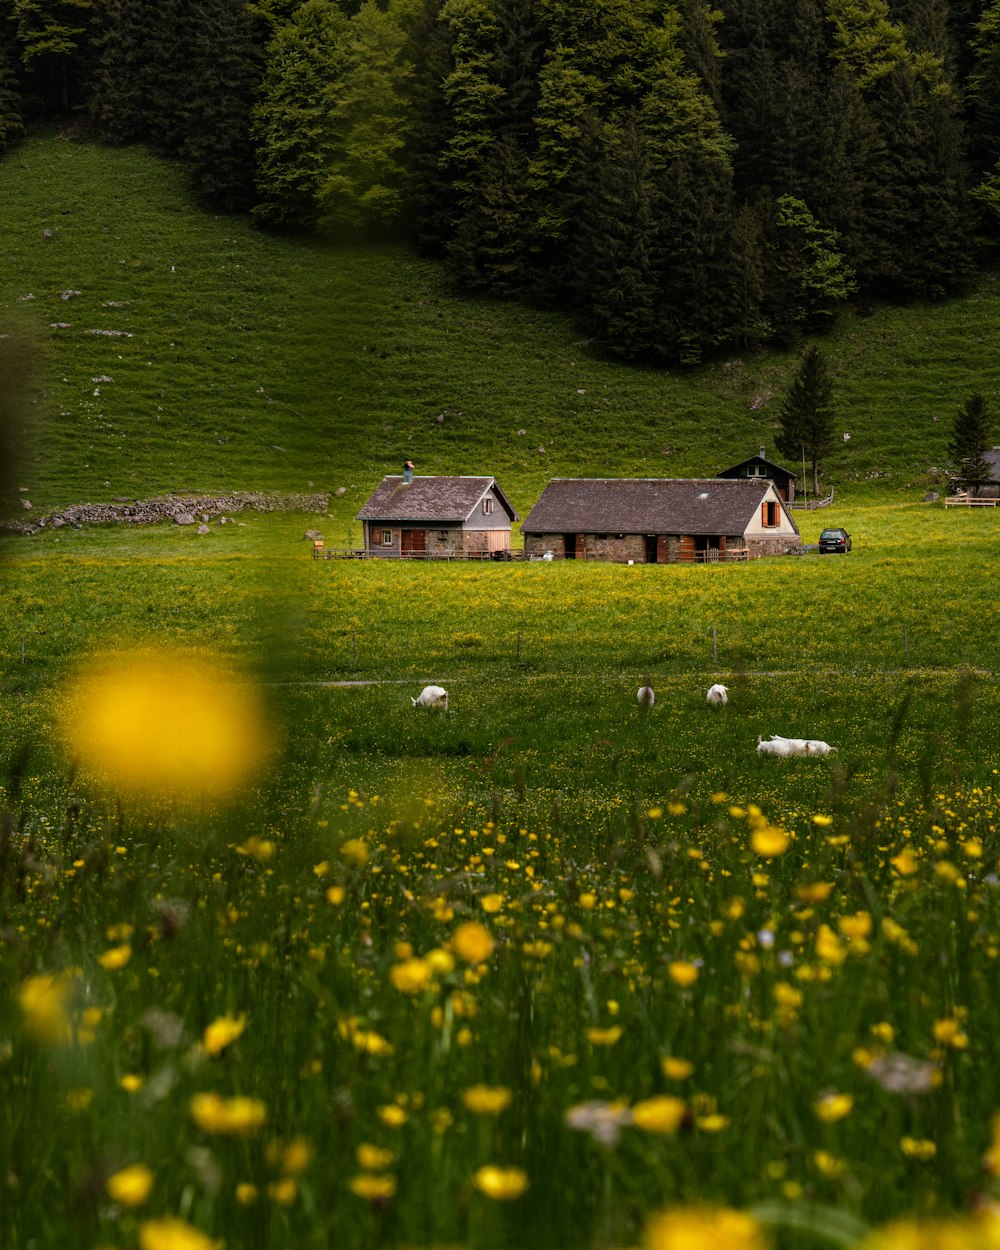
285,961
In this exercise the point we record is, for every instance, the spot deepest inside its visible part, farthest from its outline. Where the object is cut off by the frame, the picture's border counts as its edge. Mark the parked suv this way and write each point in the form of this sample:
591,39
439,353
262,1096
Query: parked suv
834,540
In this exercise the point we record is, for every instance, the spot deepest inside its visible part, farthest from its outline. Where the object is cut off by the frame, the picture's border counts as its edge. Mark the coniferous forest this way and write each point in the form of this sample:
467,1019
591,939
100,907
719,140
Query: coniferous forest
685,179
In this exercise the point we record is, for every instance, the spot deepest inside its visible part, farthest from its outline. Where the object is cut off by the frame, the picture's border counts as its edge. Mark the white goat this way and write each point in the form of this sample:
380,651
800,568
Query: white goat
776,746
814,747
645,696
432,696
718,696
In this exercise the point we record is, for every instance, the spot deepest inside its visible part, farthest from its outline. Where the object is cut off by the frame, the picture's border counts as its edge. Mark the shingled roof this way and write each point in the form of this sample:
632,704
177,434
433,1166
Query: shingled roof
647,505
431,499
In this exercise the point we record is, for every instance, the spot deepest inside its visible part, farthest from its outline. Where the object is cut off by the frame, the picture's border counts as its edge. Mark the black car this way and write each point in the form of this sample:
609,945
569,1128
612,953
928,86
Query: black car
834,540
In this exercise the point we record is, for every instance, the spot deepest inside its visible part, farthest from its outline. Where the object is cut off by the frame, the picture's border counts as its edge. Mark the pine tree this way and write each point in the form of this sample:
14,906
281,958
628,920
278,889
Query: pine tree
11,105
807,414
54,39
116,105
971,439
292,125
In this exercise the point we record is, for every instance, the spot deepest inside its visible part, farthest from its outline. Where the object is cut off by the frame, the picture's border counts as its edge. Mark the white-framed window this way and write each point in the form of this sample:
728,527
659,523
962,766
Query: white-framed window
756,470
387,538
487,506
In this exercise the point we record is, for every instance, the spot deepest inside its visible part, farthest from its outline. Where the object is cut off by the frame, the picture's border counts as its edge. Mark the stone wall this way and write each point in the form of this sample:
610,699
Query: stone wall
181,509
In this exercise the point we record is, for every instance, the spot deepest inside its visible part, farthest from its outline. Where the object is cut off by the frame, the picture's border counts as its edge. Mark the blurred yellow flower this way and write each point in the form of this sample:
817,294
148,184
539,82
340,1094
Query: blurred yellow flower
374,1158
857,926
604,1037
920,1148
115,957
905,863
229,1116
392,1115
373,1186
769,841
663,1114
832,1107
222,1033
355,851
703,1228
256,847
246,1193
412,976
174,1234
335,895
165,722
499,1183
491,903
682,973
675,1069
44,1001
130,1187
131,1083
486,1099
472,942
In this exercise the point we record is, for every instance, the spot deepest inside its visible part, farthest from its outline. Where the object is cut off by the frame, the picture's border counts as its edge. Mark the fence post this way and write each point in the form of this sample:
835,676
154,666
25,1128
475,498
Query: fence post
715,646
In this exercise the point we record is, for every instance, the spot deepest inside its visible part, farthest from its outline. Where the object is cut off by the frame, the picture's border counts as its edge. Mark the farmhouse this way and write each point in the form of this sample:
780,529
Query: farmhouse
758,467
659,520
436,517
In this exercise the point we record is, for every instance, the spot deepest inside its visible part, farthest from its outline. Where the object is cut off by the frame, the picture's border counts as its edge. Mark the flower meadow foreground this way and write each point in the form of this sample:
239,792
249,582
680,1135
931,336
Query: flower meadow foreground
672,1026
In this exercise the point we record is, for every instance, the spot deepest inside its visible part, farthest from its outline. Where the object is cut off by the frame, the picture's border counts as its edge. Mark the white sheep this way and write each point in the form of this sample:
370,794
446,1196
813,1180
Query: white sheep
432,696
718,696
776,746
645,696
814,747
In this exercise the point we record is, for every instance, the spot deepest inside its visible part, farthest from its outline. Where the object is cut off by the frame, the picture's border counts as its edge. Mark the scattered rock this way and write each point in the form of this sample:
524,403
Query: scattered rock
931,497
59,325
202,529
101,377
184,518
25,503
314,536
341,490
68,294
26,297
47,232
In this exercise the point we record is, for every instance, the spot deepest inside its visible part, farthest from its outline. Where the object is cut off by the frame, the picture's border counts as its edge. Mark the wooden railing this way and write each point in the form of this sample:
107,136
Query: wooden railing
810,505
964,500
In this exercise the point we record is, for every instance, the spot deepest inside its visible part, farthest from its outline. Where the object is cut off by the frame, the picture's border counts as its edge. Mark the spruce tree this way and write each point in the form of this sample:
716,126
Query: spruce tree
971,439
807,414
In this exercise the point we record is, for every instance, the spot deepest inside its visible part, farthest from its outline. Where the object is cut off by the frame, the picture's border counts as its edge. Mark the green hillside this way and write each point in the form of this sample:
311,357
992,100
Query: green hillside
241,360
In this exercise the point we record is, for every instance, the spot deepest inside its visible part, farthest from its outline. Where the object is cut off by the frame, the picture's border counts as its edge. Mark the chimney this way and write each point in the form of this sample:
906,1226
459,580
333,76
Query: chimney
407,472
761,453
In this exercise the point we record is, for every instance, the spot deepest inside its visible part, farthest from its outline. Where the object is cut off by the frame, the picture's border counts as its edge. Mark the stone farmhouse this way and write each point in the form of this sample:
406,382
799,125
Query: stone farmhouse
659,520
435,518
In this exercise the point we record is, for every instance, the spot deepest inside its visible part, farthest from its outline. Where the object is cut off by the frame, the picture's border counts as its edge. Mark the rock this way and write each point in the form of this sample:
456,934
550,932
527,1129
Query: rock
25,503
184,518
202,529
313,536
68,294
931,497
341,490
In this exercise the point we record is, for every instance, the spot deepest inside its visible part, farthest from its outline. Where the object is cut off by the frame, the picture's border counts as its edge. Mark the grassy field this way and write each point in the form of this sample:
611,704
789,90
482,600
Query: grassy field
546,969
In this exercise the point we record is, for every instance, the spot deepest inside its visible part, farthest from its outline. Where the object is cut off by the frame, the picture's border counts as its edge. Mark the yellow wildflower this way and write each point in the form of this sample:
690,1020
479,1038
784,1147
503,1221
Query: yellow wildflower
703,1228
832,1107
769,841
412,976
919,1148
663,1114
229,1116
491,903
222,1033
675,1069
44,1003
374,1186
472,942
499,1183
374,1158
486,1099
174,1234
682,973
115,957
130,1187
604,1037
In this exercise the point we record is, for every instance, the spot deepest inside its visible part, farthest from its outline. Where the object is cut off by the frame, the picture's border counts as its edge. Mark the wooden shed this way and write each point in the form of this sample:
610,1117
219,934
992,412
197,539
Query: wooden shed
432,518
659,520
758,468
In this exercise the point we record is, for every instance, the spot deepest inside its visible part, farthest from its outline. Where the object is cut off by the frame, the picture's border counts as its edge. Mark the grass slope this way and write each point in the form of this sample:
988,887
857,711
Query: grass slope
243,360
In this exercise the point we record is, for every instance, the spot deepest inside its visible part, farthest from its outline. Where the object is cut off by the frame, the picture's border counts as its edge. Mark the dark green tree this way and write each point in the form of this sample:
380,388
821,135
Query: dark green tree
292,123
971,439
116,104
807,414
54,40
11,108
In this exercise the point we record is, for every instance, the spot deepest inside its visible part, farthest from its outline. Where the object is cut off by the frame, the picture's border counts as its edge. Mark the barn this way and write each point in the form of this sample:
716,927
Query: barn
433,518
659,520
758,467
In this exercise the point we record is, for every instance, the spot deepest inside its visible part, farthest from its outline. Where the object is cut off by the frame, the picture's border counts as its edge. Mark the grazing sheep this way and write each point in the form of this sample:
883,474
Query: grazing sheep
645,696
718,696
814,747
432,696
548,556
793,746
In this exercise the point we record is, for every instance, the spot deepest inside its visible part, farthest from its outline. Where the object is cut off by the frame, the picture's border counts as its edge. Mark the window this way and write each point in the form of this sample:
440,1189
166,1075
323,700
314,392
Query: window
487,507
756,470
442,536
770,515
387,538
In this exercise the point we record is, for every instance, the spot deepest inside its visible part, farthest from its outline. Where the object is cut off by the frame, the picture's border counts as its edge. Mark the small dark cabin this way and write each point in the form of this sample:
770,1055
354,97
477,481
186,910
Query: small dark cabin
757,467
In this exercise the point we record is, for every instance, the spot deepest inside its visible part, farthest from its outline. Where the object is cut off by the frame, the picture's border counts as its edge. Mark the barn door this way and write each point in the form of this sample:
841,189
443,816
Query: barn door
412,542
569,546
686,553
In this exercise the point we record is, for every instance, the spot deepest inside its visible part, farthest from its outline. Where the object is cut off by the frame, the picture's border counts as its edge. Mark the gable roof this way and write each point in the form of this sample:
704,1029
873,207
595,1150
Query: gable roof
649,505
768,464
431,499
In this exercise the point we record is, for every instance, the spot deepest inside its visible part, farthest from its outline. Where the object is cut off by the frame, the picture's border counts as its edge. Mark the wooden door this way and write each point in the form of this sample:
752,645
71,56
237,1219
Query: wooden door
412,542
569,546
686,553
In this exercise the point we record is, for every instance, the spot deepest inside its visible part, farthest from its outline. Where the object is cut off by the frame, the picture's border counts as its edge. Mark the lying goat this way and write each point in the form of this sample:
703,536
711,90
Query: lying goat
432,696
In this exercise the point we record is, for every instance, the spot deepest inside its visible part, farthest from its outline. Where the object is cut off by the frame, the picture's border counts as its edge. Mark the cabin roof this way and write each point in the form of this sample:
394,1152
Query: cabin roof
648,506
452,499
